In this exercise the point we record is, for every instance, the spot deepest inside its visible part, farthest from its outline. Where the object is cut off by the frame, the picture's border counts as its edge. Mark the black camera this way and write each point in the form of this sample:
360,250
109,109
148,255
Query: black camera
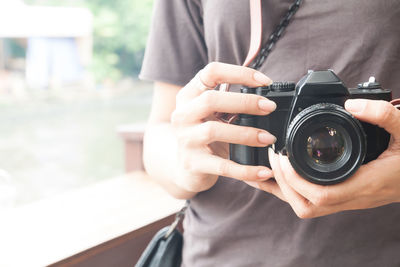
325,143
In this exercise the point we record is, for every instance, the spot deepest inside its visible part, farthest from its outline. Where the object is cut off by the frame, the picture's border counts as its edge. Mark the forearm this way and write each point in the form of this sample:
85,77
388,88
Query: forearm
160,158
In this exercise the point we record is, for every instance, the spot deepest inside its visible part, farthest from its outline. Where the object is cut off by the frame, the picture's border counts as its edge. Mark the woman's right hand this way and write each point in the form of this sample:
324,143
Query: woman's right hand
203,142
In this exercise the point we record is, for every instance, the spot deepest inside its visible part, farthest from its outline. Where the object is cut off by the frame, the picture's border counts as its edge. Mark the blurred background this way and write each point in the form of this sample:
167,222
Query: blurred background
68,80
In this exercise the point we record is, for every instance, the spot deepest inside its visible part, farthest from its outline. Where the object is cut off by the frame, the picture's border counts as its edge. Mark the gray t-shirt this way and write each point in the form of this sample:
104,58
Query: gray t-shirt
233,224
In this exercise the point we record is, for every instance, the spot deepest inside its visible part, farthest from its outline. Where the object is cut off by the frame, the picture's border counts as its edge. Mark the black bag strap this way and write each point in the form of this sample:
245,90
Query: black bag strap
178,217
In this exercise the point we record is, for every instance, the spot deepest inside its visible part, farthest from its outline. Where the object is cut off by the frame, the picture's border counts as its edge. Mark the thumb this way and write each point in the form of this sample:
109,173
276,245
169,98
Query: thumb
377,112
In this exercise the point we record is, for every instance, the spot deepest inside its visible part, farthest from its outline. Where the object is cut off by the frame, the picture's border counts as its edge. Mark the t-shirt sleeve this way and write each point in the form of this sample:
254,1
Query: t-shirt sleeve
175,49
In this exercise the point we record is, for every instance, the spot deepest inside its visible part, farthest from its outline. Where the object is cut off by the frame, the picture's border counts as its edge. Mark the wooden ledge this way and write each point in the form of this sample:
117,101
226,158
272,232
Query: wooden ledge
57,228
132,132
132,135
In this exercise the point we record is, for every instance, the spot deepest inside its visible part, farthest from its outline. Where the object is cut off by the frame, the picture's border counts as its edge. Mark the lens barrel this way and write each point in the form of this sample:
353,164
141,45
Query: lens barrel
325,143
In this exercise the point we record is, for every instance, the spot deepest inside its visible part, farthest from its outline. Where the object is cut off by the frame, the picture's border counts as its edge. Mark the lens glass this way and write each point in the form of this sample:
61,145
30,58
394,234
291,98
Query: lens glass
326,145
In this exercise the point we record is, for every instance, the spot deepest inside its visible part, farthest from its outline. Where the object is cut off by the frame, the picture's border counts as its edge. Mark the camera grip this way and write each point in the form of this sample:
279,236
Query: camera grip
242,154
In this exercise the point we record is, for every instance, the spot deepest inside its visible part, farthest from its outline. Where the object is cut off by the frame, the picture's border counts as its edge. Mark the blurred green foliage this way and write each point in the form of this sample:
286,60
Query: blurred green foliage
120,33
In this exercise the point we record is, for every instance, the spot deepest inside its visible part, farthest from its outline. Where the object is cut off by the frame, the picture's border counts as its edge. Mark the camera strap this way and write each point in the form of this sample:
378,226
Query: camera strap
256,55
255,31
262,56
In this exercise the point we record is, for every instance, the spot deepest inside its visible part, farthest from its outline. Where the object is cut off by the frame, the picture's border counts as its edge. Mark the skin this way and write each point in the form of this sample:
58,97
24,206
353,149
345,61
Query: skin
186,148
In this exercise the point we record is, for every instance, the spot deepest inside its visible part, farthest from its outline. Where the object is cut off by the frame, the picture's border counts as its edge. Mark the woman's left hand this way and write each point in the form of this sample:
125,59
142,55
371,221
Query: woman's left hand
374,184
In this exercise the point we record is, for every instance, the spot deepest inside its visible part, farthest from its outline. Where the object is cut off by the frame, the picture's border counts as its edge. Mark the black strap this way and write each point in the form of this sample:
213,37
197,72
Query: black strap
274,37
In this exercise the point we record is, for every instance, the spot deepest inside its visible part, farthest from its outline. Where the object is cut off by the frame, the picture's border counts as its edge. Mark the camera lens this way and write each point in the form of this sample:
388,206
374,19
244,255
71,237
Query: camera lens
325,145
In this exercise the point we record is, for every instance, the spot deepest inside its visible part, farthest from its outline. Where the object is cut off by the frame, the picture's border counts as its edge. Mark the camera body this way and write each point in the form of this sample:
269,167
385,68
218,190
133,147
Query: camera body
324,143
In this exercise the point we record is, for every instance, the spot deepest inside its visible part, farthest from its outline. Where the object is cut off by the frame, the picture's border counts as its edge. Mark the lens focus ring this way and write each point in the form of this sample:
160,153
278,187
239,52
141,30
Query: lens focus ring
325,143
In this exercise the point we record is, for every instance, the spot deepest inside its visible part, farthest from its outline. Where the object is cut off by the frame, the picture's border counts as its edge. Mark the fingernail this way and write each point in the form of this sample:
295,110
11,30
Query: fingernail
267,105
270,153
355,105
266,138
283,160
264,174
261,78
280,157
271,156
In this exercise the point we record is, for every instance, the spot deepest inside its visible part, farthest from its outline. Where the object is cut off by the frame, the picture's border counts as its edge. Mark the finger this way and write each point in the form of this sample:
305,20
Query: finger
347,196
213,131
321,195
299,204
269,186
216,73
366,189
307,209
227,102
212,164
317,194
377,112
193,89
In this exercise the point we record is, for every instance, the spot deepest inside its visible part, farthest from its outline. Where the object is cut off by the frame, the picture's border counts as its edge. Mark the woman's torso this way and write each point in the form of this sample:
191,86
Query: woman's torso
233,224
